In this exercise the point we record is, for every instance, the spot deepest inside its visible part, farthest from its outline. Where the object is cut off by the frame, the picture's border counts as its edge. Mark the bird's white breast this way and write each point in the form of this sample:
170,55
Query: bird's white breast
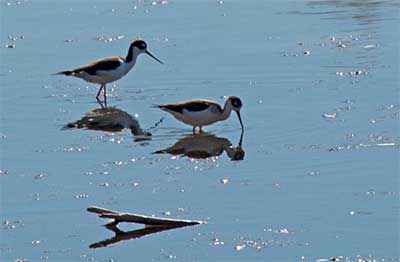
108,76
197,118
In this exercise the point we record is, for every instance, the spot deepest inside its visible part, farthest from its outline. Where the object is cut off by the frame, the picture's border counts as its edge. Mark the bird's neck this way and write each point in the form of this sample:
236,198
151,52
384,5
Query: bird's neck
226,111
133,53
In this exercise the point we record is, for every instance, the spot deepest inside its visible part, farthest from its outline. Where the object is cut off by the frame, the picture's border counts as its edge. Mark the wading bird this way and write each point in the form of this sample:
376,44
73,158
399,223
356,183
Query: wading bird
110,69
203,112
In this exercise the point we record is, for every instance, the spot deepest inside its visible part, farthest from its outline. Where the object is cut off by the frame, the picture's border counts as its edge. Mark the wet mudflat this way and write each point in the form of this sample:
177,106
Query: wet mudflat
315,176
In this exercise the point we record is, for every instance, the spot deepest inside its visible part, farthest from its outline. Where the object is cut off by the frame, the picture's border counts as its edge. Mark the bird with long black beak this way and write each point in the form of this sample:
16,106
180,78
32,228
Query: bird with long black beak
110,69
203,112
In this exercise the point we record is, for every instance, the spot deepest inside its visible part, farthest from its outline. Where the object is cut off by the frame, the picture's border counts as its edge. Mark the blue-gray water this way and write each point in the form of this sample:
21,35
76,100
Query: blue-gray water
319,81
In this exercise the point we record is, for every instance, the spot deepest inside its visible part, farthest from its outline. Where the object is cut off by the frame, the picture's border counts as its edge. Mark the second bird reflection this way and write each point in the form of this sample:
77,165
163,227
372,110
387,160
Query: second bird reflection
205,145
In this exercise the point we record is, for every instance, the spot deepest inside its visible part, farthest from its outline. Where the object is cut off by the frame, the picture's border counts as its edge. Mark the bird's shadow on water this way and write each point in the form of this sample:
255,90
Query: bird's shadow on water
205,145
110,119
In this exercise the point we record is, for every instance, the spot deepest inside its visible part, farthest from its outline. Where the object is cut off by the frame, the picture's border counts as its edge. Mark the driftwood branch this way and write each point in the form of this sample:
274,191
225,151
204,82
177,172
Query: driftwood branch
152,225
141,219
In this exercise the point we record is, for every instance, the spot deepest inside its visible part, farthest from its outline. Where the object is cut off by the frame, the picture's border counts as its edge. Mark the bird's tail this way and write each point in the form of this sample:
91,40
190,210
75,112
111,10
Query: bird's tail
69,126
67,73
156,106
164,151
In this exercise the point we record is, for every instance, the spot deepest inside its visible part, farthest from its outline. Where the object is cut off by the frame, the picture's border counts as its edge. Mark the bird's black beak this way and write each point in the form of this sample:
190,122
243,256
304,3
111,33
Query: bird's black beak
147,52
240,119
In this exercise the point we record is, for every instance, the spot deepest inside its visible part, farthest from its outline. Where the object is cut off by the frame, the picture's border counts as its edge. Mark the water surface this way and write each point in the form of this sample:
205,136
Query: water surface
320,85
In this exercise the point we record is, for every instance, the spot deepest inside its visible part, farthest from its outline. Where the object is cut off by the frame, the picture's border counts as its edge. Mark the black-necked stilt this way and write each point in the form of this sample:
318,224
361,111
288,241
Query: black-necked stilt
203,112
110,69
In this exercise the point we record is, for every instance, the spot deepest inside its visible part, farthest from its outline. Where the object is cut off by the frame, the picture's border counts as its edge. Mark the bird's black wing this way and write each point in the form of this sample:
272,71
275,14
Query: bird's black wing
194,106
99,65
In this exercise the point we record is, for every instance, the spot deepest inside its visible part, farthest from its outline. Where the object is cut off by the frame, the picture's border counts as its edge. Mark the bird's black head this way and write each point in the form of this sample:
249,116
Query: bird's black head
236,105
142,47
236,102
140,44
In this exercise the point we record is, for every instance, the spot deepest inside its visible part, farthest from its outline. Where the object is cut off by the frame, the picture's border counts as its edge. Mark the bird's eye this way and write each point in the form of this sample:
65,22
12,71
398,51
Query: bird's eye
235,102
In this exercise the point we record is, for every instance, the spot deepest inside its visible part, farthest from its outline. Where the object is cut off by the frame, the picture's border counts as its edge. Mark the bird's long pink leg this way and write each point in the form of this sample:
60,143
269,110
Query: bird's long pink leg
105,96
98,93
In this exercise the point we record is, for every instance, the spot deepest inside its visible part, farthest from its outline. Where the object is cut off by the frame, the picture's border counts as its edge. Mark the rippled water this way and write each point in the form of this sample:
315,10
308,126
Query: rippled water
319,177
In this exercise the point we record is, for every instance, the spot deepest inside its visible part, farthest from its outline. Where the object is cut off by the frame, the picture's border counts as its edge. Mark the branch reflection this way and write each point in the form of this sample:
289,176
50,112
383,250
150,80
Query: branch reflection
133,234
151,224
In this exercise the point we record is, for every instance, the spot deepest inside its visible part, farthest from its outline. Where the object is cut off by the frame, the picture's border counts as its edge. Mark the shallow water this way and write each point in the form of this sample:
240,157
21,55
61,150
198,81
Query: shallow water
320,85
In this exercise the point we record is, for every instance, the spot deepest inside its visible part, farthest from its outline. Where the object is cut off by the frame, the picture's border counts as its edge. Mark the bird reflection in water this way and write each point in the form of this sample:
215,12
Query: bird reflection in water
205,145
110,119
